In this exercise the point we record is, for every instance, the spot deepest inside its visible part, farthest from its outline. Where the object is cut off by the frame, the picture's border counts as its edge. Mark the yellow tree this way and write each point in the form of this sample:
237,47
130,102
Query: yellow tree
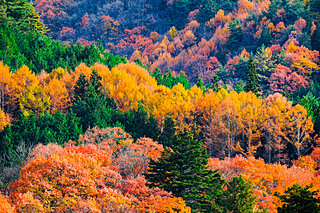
21,80
4,120
34,100
298,129
275,109
206,108
251,123
228,125
160,105
183,101
5,81
58,94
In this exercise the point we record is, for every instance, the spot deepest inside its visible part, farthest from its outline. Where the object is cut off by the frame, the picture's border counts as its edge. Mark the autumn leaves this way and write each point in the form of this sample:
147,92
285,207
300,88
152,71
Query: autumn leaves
229,122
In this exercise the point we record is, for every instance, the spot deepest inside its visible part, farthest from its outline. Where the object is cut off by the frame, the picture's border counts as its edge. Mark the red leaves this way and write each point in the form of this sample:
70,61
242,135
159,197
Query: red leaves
283,76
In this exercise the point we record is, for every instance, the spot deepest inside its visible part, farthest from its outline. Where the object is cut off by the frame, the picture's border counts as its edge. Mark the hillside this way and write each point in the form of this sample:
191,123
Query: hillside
159,106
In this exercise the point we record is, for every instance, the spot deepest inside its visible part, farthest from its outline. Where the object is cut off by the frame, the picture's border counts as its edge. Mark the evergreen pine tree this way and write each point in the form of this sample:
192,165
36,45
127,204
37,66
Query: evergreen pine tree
215,83
265,38
238,197
200,83
315,39
167,134
286,92
207,10
80,88
299,199
239,87
89,101
183,172
24,15
235,36
95,84
252,79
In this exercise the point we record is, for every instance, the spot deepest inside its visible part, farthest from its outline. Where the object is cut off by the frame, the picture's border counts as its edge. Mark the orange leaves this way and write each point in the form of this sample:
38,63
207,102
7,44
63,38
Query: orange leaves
60,179
5,206
133,159
25,202
151,200
82,178
266,178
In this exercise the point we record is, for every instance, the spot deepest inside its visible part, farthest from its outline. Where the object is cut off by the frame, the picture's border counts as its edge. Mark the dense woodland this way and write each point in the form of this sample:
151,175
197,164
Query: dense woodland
159,106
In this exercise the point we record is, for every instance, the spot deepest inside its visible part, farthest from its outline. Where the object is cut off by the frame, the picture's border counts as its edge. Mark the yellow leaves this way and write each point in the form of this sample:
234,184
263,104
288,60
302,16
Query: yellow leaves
34,100
22,79
58,94
56,74
298,128
4,120
140,74
173,32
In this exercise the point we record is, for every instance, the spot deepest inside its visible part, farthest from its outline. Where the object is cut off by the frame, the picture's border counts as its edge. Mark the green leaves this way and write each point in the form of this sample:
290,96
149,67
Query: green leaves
252,80
239,196
299,199
183,171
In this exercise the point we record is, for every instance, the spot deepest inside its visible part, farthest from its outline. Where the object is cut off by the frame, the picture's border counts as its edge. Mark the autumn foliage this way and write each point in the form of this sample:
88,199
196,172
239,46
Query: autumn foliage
266,178
91,176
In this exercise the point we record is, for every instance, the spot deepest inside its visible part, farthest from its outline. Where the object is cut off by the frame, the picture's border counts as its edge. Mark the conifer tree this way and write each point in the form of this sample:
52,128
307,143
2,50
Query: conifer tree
200,83
89,101
235,36
238,197
315,39
299,199
183,172
215,83
80,88
252,79
168,132
24,15
239,87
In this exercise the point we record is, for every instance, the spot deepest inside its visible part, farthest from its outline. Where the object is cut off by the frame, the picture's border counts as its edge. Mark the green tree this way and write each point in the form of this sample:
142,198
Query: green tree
239,87
24,14
80,88
265,38
207,10
56,128
168,132
215,83
138,123
299,199
315,39
235,37
89,102
183,172
314,7
169,80
239,196
252,79
200,83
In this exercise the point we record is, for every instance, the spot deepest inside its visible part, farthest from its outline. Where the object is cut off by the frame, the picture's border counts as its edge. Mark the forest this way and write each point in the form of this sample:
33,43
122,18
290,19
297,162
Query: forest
159,106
